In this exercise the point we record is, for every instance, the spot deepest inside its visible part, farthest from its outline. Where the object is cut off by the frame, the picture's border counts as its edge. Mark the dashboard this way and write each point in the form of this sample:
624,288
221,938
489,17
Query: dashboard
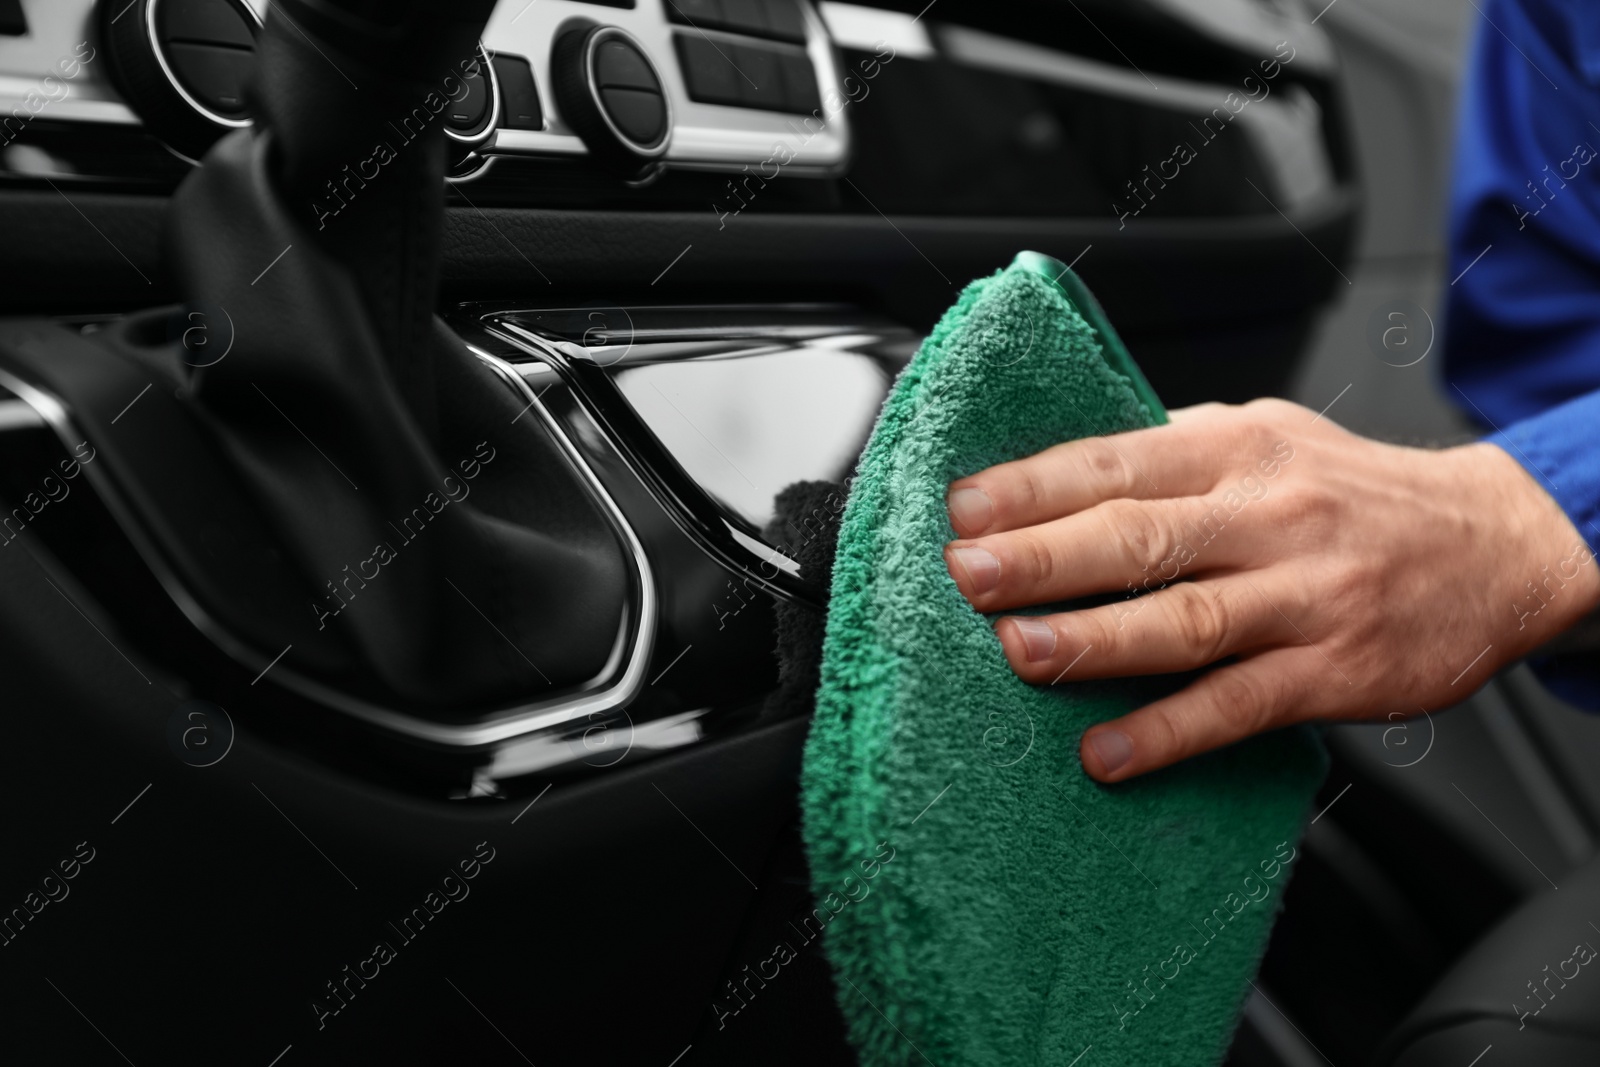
687,84
733,86
878,154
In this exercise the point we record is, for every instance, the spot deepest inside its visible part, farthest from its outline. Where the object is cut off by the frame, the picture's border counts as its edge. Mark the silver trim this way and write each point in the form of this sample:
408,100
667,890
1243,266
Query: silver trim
591,83
172,77
705,137
494,106
479,169
866,28
513,722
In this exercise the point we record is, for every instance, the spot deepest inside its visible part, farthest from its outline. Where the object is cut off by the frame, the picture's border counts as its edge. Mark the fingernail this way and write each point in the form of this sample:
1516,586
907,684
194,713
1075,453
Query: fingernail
970,510
1038,637
1112,748
983,569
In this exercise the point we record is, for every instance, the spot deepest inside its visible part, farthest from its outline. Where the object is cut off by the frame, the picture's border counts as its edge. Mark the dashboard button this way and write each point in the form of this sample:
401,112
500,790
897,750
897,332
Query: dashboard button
519,94
780,20
745,16
707,73
213,75
12,22
770,77
784,20
695,12
799,81
762,79
467,114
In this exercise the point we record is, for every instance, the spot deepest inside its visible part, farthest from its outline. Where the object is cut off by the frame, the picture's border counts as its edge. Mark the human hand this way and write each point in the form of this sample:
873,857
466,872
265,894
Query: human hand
1351,579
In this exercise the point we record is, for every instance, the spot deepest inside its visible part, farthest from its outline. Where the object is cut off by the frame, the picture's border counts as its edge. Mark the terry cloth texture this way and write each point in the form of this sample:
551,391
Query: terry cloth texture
983,900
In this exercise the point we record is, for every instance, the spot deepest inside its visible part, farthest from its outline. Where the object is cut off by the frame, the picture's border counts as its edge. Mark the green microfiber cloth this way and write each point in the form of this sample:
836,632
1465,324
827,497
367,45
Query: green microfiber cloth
984,901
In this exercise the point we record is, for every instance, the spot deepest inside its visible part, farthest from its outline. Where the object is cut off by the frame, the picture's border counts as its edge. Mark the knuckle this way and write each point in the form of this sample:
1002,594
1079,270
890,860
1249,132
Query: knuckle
1031,555
1134,526
1242,698
1309,508
1202,619
1171,730
1092,630
1274,410
1350,588
1106,467
1259,438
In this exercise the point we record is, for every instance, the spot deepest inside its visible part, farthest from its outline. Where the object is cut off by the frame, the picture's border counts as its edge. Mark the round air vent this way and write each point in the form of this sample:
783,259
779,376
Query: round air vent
610,94
182,65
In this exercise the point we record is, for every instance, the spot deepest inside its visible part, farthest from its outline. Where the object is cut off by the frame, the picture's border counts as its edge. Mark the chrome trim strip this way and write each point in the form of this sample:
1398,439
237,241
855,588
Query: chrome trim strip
516,721
494,105
704,137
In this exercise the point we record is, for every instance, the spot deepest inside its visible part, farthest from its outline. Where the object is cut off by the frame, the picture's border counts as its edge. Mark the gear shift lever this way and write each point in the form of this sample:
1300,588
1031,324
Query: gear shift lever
448,557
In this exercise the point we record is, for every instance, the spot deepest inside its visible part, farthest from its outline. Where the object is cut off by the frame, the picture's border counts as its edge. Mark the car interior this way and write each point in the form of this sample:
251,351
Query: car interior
629,271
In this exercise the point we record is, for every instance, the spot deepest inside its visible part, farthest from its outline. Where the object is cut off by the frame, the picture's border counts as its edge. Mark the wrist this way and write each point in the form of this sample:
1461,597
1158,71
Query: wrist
1550,568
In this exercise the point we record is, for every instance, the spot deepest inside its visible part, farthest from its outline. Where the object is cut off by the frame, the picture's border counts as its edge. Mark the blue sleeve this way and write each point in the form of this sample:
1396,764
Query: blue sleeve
1522,338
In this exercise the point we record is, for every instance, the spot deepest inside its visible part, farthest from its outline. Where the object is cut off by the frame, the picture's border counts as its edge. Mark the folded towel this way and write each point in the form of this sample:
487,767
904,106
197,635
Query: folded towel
983,901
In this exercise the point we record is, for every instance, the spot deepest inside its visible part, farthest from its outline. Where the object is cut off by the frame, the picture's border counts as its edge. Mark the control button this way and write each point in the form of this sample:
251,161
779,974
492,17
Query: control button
640,115
745,16
779,19
608,91
707,73
468,114
213,75
12,21
761,79
519,95
203,22
799,81
784,20
770,77
618,65
695,12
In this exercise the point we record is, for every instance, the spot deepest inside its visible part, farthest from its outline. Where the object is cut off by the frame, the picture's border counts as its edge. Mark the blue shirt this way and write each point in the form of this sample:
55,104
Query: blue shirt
1522,341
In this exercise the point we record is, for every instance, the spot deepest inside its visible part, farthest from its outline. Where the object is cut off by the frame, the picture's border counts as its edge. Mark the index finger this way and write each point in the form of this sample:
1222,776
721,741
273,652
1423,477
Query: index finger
1150,464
